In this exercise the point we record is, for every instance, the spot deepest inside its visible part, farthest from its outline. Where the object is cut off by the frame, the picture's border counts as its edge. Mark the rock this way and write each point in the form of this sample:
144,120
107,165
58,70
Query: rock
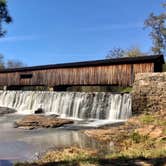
133,121
142,163
40,121
145,130
150,130
156,133
4,111
15,125
27,127
53,116
39,111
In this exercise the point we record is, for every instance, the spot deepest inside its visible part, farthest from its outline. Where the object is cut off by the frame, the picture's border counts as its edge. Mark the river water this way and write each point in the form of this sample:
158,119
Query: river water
93,109
22,145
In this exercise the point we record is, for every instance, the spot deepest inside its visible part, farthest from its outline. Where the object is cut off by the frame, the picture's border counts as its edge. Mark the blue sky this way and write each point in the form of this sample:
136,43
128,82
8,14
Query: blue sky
58,31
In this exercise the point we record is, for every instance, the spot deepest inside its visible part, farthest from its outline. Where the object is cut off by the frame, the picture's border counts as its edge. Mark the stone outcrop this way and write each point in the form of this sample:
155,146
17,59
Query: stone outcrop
149,92
40,121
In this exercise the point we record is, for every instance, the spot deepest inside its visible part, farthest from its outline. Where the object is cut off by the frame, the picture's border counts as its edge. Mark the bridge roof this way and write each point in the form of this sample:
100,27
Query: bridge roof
104,62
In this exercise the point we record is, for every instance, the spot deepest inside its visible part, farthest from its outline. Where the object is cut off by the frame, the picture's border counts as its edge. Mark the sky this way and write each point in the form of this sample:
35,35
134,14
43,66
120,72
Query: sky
61,31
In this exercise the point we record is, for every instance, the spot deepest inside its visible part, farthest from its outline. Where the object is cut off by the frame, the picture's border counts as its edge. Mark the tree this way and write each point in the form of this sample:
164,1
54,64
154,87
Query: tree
4,16
14,64
134,52
2,64
157,23
116,53
119,52
10,63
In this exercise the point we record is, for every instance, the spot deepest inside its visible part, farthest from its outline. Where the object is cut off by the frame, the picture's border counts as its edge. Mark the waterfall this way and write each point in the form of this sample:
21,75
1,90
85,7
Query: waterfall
76,105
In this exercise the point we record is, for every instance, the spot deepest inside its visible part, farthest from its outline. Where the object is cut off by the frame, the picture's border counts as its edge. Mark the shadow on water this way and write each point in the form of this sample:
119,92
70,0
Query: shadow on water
5,163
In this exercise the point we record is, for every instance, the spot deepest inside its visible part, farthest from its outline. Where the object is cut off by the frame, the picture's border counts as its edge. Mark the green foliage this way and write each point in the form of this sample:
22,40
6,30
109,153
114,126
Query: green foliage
117,89
137,138
164,67
134,52
4,16
3,2
152,120
147,119
126,90
157,23
140,152
130,52
2,65
35,88
120,89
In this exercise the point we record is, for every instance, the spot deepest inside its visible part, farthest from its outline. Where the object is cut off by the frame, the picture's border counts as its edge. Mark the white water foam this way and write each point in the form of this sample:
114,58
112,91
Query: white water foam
73,105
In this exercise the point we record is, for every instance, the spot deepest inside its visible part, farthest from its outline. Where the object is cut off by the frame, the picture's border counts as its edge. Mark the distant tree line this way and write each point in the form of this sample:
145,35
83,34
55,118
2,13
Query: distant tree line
118,52
10,63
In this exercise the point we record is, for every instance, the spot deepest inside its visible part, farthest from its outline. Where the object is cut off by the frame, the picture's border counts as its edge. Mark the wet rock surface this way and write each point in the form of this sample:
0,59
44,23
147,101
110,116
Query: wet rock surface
40,121
39,111
4,111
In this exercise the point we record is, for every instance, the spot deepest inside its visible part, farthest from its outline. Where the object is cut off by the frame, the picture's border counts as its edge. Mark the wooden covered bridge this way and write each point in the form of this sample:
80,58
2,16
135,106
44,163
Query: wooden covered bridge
119,71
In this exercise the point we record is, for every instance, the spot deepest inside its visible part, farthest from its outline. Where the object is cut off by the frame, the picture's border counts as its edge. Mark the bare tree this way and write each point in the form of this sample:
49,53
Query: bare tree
2,64
119,52
14,64
116,53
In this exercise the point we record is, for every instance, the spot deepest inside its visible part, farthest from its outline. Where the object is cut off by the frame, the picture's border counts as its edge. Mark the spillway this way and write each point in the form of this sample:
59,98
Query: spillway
75,105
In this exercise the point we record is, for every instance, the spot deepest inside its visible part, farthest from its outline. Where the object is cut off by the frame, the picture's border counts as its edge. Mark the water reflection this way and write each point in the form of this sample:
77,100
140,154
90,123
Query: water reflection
18,144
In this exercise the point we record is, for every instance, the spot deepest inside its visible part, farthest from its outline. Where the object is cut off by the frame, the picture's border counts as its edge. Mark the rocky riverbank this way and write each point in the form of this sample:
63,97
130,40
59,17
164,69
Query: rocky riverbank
141,141
142,137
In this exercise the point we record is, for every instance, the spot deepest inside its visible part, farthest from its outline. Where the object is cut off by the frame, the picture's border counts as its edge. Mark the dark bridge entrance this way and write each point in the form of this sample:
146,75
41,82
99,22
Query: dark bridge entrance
119,71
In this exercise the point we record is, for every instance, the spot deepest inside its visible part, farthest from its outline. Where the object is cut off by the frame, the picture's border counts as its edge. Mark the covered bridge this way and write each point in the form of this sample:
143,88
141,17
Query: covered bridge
119,71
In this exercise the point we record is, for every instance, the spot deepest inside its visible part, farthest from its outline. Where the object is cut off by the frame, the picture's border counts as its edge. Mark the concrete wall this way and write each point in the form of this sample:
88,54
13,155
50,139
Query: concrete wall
149,92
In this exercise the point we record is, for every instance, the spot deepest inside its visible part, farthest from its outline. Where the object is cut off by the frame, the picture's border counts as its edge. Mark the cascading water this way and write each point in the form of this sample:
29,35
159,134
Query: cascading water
76,105
95,109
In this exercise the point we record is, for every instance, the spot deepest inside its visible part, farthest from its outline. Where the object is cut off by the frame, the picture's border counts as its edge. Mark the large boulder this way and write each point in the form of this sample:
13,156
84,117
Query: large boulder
41,121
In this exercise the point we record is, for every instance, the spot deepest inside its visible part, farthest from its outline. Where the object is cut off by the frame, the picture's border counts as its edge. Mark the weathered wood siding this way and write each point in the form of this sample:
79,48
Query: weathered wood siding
122,74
